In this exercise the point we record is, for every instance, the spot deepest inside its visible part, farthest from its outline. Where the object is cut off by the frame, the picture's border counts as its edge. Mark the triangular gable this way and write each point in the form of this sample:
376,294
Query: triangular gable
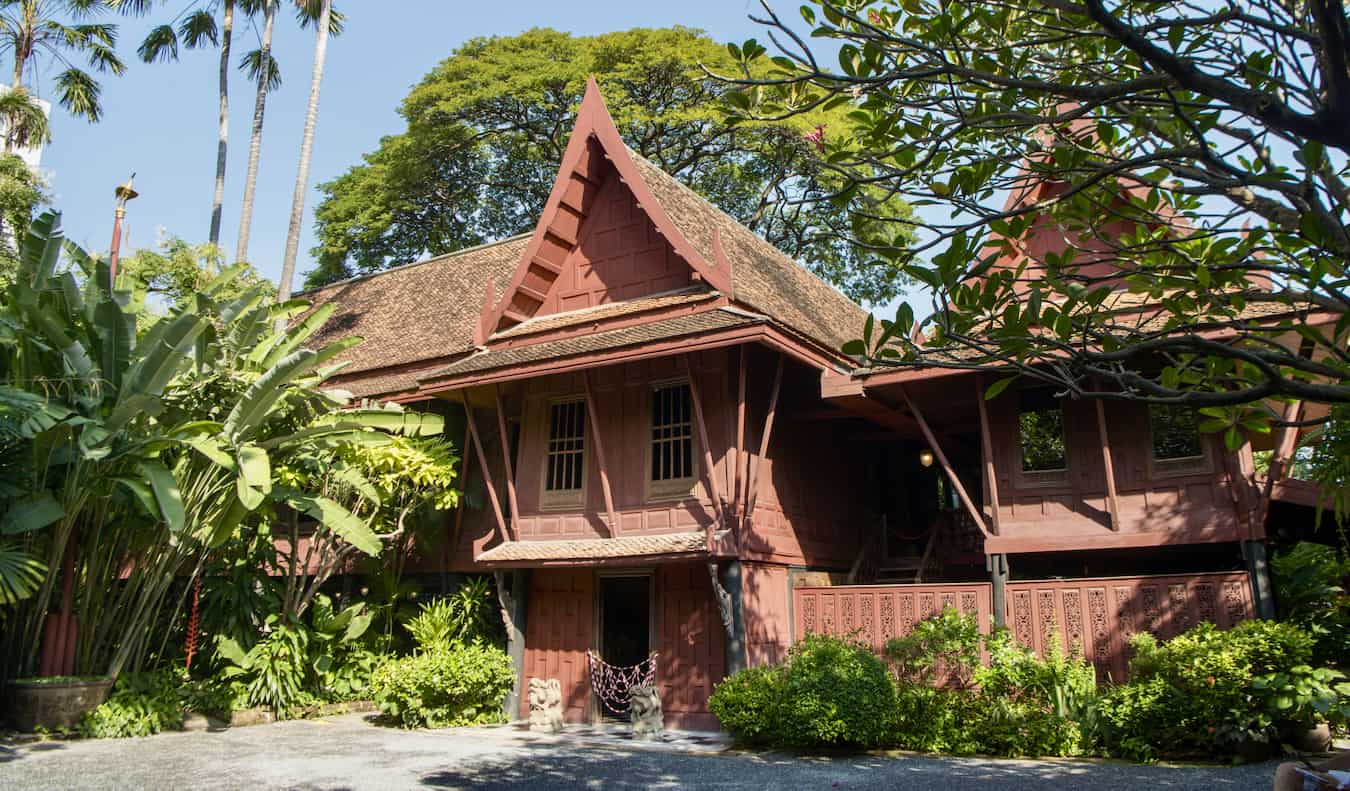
598,189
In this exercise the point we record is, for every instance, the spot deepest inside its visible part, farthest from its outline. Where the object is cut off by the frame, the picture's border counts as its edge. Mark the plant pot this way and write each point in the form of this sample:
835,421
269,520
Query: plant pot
1316,739
54,704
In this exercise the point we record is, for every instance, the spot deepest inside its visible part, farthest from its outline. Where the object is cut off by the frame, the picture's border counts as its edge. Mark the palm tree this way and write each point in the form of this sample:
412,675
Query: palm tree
325,8
262,68
33,30
23,119
197,28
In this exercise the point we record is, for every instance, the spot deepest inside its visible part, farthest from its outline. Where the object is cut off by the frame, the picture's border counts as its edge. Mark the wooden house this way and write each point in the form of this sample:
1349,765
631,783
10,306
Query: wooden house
676,457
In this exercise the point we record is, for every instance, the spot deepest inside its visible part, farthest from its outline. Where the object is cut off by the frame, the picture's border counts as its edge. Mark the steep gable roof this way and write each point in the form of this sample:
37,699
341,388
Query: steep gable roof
414,313
721,252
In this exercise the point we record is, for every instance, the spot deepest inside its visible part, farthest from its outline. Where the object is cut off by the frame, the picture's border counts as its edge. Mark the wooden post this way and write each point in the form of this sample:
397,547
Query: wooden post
737,495
1285,443
506,458
946,465
513,599
482,462
713,493
1112,504
997,565
987,445
1258,570
614,527
752,493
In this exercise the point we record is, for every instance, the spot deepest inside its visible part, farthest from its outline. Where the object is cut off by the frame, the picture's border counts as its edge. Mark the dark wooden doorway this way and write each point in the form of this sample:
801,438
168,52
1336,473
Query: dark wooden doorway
625,621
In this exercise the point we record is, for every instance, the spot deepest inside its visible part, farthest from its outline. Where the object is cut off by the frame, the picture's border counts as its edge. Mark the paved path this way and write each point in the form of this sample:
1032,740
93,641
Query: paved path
348,753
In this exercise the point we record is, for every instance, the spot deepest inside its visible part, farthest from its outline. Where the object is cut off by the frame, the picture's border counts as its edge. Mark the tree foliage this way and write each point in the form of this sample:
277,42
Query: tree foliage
1200,149
488,126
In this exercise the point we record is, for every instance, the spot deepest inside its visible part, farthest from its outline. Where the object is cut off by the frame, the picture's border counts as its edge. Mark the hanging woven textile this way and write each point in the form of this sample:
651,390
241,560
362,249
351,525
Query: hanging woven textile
611,682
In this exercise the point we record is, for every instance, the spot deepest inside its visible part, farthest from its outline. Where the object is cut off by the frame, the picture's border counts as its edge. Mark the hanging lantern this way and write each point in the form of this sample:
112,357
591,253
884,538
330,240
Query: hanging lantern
926,457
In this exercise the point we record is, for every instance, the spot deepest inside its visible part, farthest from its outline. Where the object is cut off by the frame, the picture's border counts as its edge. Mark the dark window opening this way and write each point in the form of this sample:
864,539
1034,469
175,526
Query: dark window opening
1040,428
1175,433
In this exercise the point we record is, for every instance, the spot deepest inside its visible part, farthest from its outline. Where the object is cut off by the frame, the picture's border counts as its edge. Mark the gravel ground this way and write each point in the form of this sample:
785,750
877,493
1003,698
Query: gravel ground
349,753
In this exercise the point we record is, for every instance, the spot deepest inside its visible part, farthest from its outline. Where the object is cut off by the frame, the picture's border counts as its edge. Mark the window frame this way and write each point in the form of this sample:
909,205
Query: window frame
563,499
1041,478
1199,464
672,488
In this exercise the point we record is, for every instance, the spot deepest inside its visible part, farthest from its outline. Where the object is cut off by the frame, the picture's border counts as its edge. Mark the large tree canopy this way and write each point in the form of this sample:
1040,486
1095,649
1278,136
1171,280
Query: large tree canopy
487,128
1203,146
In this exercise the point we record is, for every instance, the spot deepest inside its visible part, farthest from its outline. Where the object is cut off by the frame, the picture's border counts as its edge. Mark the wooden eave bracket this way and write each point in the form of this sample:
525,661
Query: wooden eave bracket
960,488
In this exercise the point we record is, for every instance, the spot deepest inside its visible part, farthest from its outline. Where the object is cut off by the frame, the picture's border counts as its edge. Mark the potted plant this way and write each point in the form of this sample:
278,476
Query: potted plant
54,703
1306,702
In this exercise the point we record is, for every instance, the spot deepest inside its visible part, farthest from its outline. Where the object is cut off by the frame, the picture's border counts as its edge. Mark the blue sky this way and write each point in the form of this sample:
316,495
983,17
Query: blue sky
160,120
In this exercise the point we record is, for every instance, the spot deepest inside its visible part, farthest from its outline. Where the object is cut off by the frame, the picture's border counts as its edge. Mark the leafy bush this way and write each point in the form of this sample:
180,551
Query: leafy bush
456,618
1206,691
1309,586
747,704
1019,704
828,693
141,704
274,671
944,649
444,687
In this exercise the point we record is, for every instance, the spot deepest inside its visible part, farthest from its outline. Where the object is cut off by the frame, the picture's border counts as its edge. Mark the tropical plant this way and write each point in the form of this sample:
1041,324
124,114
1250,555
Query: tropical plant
942,650
25,122
322,28
1199,149
172,274
158,449
487,127
274,671
34,30
457,618
141,704
1309,584
1330,466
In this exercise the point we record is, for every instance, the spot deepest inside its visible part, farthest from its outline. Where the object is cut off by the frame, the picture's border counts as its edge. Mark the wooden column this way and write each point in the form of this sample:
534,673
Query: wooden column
733,584
1112,503
752,491
513,594
614,527
482,462
506,459
946,465
997,566
1258,570
738,495
987,447
711,476
1285,444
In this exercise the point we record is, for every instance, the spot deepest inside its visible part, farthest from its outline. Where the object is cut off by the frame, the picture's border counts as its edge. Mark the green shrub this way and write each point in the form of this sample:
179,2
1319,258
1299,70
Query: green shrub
1207,690
835,693
141,704
444,687
747,704
1309,586
944,649
457,618
935,720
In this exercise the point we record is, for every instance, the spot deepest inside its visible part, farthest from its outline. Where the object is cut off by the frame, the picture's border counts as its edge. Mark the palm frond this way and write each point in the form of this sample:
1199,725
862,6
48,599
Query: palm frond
79,94
198,28
160,45
20,573
254,66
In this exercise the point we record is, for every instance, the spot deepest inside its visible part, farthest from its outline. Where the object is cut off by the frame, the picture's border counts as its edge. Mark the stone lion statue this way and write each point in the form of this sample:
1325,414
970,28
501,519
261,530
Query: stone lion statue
644,709
545,698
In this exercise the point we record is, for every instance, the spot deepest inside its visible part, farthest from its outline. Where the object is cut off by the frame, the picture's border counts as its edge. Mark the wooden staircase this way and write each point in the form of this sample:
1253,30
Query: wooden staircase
870,567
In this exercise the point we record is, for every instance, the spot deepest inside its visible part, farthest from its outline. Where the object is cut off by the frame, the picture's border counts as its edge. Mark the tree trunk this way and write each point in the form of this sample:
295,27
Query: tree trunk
255,143
227,32
306,149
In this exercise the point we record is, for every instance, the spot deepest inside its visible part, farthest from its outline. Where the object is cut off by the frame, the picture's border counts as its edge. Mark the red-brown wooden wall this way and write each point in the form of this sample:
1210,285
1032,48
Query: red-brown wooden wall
1095,617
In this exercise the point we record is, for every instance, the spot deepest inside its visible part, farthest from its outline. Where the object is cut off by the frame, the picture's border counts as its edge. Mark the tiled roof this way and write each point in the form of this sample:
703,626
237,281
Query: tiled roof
609,310
421,311
763,276
665,329
597,548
